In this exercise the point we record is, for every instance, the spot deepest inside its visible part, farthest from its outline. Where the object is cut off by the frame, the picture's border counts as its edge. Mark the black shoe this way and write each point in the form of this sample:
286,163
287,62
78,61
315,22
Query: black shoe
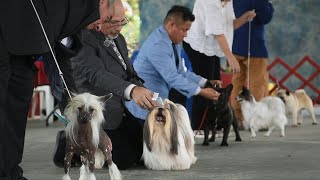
59,150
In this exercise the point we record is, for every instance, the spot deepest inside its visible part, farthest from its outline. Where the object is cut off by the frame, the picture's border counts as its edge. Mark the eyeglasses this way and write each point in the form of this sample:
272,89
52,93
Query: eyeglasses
124,22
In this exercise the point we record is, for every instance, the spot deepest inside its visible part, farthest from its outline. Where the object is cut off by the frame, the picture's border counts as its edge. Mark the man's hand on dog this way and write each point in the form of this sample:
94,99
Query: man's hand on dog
216,83
209,93
143,97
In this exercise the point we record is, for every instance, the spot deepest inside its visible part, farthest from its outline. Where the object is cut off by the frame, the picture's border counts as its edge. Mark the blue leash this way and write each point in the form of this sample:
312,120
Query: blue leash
61,118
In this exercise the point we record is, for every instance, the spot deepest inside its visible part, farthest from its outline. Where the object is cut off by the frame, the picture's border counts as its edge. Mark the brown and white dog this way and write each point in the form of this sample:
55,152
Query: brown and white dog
295,102
168,138
86,137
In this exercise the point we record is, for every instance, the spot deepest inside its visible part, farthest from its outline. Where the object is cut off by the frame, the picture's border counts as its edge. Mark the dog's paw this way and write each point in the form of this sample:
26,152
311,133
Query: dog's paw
294,125
224,144
314,123
299,123
66,177
253,136
282,135
266,135
205,143
212,139
238,139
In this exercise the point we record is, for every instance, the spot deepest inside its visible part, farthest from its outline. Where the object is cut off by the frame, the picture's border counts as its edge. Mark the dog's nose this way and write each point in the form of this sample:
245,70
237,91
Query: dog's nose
84,117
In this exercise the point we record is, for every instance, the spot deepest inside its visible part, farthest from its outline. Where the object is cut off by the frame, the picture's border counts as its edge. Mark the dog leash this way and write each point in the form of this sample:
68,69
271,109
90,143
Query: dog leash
52,53
249,53
203,117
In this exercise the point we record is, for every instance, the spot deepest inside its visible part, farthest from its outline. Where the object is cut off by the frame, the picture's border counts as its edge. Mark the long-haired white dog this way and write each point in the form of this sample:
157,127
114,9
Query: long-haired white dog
86,138
269,113
168,138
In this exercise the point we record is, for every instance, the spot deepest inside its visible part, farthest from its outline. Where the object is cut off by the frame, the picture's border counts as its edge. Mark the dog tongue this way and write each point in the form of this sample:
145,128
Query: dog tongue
160,118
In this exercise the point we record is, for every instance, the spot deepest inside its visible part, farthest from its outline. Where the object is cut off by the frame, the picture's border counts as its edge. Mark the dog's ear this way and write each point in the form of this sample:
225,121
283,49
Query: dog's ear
229,89
105,98
287,93
174,135
146,134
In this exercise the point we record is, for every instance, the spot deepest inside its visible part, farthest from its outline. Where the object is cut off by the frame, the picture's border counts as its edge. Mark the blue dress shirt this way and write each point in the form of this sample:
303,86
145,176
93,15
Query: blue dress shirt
156,65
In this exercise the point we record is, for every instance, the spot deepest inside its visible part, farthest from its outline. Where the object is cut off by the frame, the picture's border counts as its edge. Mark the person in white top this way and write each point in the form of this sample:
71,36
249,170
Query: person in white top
209,38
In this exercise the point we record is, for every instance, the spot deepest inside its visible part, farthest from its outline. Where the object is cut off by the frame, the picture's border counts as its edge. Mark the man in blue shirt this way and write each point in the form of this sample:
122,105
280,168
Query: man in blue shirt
258,75
160,65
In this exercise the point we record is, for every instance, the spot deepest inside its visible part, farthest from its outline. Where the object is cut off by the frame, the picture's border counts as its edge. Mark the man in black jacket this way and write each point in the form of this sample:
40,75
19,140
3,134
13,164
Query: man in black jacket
102,66
21,41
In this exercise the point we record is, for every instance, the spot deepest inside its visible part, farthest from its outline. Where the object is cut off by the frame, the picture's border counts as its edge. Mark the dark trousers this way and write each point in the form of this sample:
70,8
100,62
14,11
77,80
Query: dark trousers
127,142
16,88
207,67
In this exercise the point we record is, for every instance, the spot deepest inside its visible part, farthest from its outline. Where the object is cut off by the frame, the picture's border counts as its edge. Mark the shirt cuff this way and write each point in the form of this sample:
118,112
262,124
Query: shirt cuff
202,82
197,91
127,91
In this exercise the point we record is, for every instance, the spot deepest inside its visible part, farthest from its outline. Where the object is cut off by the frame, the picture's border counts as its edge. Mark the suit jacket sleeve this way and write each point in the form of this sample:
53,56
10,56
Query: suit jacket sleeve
92,69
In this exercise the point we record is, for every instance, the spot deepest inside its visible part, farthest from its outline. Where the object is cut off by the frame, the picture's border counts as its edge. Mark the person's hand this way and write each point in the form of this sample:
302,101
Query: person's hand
234,64
209,93
216,83
142,97
249,15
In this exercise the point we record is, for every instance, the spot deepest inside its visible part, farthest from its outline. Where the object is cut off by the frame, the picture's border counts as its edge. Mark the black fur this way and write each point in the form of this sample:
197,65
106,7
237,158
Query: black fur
220,115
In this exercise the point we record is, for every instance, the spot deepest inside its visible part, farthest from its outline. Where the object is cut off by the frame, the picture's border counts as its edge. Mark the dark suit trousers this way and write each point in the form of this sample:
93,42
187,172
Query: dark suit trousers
207,67
16,88
127,142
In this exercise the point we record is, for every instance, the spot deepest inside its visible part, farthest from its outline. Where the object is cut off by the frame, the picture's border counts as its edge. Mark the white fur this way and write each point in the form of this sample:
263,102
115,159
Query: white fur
269,113
160,157
114,172
99,159
71,113
66,177
85,174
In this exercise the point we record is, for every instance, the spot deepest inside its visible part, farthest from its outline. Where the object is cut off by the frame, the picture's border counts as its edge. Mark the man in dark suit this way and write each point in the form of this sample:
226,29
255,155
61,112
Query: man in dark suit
21,41
101,67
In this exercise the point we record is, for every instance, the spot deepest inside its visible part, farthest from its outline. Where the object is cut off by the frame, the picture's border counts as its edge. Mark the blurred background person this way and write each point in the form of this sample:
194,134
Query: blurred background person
258,75
210,37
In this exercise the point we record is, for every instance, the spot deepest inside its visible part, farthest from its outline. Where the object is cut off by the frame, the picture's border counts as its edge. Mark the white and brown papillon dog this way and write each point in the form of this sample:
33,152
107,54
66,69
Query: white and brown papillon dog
86,137
269,113
168,142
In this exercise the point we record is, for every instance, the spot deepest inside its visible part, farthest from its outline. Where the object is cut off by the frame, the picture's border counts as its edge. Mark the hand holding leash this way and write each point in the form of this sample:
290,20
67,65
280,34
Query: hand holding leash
249,15
143,97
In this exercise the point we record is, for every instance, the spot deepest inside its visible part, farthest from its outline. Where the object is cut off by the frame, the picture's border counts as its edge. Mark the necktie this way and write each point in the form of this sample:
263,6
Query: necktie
113,45
175,54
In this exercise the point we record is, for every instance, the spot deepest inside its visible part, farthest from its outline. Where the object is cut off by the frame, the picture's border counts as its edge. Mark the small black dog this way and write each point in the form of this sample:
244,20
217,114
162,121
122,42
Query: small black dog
220,115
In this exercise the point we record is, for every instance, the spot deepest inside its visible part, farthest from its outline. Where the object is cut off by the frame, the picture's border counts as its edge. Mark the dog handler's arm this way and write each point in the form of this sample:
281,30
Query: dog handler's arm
209,93
142,97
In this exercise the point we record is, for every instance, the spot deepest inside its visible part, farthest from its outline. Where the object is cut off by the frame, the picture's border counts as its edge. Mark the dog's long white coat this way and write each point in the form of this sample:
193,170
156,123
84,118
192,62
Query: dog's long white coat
160,157
269,113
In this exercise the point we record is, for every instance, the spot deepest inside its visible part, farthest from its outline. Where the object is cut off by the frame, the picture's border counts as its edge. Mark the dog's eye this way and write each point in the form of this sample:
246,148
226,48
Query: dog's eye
80,108
91,109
